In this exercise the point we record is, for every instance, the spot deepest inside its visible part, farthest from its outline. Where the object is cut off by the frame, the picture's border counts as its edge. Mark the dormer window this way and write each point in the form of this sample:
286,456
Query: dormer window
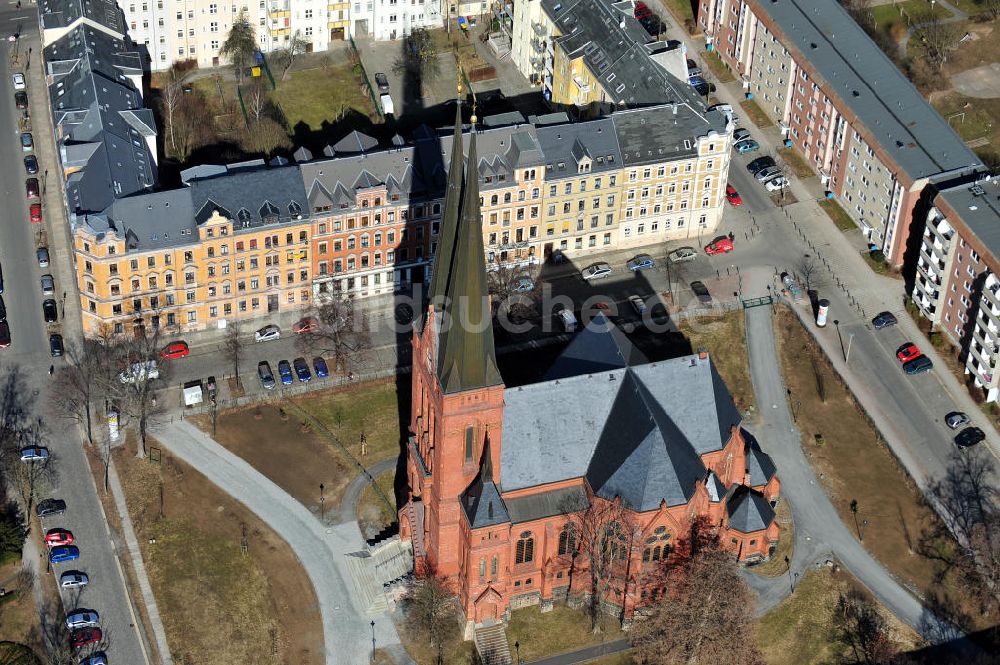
244,216
269,213
294,210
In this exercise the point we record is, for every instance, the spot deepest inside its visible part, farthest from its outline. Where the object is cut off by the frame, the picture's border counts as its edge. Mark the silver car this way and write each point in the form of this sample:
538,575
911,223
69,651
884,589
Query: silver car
42,254
682,254
73,579
48,285
956,419
766,174
82,619
267,334
596,271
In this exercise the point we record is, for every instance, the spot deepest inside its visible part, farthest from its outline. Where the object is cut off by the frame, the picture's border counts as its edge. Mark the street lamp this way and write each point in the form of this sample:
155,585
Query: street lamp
854,511
864,525
373,641
795,581
322,503
517,650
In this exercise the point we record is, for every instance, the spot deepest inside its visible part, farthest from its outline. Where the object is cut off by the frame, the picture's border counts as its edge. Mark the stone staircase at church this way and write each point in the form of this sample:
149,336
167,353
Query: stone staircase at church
380,573
491,644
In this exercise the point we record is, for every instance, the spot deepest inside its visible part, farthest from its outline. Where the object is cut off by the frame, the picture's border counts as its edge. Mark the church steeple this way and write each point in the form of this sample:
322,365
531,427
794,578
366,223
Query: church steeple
466,354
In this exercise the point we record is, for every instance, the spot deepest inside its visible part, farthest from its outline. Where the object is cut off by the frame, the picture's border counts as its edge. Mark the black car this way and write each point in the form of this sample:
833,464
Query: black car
701,291
969,436
3,310
49,507
883,320
21,100
700,85
30,165
55,345
382,82
653,25
4,335
918,365
49,311
759,164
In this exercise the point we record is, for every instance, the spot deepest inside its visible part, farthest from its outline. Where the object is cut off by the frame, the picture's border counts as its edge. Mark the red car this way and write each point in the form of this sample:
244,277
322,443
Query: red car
56,537
642,10
733,196
35,211
175,350
719,246
85,636
306,325
907,352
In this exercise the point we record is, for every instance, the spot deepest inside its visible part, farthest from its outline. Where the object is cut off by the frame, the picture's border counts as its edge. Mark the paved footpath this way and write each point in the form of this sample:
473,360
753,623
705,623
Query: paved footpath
320,549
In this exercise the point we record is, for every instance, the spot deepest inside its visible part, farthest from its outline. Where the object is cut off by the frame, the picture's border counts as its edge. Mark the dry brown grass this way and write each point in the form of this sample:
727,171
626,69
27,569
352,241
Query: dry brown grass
725,338
218,604
562,629
776,565
373,514
853,463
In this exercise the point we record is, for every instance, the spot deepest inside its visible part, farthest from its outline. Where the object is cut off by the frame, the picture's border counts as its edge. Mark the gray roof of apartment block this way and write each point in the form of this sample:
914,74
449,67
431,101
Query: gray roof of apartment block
653,135
858,74
252,198
978,207
151,221
617,50
63,13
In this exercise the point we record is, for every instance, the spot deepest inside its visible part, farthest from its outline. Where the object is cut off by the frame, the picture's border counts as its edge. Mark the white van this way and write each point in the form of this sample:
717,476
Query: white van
567,319
142,371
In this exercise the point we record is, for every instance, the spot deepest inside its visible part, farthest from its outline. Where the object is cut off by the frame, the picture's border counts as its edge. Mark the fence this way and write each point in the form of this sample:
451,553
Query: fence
364,77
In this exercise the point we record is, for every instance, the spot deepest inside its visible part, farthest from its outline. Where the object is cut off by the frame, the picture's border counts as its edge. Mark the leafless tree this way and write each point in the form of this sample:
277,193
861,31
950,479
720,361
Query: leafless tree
431,611
136,396
514,294
232,346
86,380
705,597
807,268
992,7
936,40
265,136
256,100
26,478
171,98
342,333
605,533
286,56
864,630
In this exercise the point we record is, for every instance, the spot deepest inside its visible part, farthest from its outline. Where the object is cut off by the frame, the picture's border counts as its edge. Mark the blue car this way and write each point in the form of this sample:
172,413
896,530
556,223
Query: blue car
64,553
285,370
302,369
321,369
746,145
99,658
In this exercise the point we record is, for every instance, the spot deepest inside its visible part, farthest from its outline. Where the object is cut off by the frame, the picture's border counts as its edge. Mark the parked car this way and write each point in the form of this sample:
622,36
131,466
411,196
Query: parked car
693,68
73,579
31,188
21,100
302,369
654,26
48,284
883,320
701,291
99,658
522,284
81,618
27,143
918,365
56,537
56,348
267,334
682,255
638,304
733,196
210,386
567,319
64,553
382,82
35,213
34,454
31,165
956,419
175,350
4,334
746,145
285,372
775,184
49,312
640,262
740,134
759,164
18,80
641,9
322,371
700,85
305,325
767,173
596,271
265,375
969,436
85,637
42,254
140,371
907,352
3,310
721,245
49,507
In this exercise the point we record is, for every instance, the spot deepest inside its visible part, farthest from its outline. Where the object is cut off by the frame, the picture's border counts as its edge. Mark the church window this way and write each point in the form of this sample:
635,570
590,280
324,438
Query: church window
482,567
656,553
468,443
613,543
567,539
525,551
493,566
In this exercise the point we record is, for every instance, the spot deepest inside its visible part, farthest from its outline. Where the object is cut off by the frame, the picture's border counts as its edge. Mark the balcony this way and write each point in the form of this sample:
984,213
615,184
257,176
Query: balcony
584,88
928,272
537,64
538,46
539,30
941,229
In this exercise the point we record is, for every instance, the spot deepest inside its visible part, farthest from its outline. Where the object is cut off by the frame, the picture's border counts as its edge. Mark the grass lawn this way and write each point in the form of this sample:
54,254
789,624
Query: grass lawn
373,514
563,629
681,9
835,435
458,652
725,339
887,16
18,615
776,565
756,114
880,267
972,118
801,630
837,215
217,604
798,165
315,96
717,67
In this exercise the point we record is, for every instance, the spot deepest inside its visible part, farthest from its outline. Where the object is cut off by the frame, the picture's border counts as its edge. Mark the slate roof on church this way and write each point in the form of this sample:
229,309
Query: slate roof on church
760,466
748,510
600,346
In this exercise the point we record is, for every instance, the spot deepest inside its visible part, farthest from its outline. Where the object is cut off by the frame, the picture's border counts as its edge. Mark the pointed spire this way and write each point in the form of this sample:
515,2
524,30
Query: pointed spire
449,216
486,462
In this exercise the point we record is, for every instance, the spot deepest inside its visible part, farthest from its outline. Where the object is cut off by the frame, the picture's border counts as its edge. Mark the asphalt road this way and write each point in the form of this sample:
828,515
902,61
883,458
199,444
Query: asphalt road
28,359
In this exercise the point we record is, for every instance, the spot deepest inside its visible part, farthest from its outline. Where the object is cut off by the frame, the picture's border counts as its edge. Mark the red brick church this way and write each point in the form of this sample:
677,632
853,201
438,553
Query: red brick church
498,475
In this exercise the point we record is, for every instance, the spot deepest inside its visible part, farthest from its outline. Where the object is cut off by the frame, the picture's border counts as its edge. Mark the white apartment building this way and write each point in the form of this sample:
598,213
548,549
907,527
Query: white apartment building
394,19
530,39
